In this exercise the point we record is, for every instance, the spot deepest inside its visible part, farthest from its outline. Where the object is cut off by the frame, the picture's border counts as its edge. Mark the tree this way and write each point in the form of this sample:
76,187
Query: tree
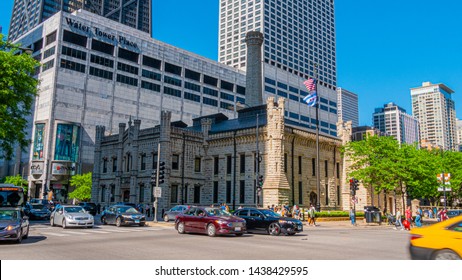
17,181
82,185
17,92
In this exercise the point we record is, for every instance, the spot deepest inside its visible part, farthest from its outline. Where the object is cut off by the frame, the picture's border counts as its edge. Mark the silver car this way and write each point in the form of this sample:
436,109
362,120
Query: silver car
71,216
173,212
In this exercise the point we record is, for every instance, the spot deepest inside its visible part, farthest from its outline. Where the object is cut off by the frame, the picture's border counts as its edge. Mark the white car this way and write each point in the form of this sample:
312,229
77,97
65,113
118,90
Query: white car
71,216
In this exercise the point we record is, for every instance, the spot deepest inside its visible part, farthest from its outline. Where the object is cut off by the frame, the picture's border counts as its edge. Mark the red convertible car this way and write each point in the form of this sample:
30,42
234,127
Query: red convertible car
209,220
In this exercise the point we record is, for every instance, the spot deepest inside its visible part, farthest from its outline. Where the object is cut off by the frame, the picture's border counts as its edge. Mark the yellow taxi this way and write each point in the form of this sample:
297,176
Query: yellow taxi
441,241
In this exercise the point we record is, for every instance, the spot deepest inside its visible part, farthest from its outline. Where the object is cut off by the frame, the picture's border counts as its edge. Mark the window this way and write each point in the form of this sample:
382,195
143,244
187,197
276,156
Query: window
192,86
71,65
228,164
313,167
127,68
170,68
285,163
143,162
227,96
338,170
210,81
197,164
154,161
242,163
209,101
215,192
128,55
50,38
192,75
127,80
112,193
174,194
102,47
300,193
325,167
172,81
299,165
48,65
38,45
150,86
193,97
172,91
240,90
103,194
73,53
228,191
114,165
227,85
197,194
216,161
100,73
151,75
74,38
102,61
128,163
242,191
175,162
104,165
49,52
151,62
210,91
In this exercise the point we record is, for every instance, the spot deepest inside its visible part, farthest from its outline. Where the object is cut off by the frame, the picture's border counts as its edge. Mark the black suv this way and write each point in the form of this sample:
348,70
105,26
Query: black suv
90,207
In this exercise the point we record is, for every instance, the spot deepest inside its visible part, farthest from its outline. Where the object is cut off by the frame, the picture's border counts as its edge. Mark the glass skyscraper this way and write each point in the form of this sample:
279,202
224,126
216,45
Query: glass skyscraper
29,13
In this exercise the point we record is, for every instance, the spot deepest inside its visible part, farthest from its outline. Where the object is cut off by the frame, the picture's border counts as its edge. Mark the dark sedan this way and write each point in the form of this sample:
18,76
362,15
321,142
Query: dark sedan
90,207
14,225
266,221
37,211
123,215
209,220
173,212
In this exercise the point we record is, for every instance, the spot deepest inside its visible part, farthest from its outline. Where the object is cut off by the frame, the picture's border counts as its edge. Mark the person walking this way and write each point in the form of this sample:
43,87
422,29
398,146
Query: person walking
312,216
420,212
352,216
408,215
398,220
418,219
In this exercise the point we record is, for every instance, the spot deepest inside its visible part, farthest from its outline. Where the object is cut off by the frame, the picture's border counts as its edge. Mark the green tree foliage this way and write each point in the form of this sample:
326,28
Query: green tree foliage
82,184
17,181
17,92
383,165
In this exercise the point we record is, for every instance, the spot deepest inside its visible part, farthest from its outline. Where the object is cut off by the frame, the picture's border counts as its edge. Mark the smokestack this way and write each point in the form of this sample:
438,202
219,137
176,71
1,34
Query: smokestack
253,83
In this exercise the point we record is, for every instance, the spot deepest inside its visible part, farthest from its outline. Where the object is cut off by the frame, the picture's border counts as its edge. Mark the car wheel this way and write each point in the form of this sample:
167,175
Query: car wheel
19,240
446,255
180,227
103,220
118,222
27,233
239,234
274,229
166,219
52,222
64,224
211,230
142,224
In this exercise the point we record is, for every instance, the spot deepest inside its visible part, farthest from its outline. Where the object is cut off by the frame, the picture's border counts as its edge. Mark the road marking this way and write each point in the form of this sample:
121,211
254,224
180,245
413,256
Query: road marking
76,232
56,234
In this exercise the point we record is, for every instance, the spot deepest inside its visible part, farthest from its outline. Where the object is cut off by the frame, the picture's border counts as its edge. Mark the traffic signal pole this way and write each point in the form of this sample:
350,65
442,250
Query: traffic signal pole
157,182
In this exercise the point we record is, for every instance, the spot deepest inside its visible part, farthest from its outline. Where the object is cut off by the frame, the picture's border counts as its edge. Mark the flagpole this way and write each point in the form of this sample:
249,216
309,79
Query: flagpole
318,183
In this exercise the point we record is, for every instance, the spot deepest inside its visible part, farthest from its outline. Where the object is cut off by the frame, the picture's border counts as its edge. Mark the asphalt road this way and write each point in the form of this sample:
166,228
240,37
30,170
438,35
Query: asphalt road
325,242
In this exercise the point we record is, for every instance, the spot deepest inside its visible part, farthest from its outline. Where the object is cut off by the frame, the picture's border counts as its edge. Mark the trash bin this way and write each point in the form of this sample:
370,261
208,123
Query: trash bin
372,215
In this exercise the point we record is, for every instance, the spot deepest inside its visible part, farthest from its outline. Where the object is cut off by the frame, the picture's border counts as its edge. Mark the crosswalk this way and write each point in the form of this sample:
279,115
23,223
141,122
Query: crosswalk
97,230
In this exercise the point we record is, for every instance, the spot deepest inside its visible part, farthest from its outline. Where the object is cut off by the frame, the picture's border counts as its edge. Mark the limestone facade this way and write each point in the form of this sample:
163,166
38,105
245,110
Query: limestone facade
214,161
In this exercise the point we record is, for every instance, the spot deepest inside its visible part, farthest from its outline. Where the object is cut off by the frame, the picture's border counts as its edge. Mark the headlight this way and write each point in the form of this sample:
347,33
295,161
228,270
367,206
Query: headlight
12,227
221,222
69,217
283,222
90,217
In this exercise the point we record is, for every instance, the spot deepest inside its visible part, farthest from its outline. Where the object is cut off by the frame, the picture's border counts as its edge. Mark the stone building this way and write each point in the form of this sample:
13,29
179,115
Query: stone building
214,161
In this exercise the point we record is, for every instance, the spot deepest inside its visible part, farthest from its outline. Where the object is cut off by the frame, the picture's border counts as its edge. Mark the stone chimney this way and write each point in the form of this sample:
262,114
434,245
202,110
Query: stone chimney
253,83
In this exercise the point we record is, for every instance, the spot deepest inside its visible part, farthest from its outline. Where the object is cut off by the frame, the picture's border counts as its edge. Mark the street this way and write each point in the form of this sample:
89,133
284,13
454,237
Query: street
105,242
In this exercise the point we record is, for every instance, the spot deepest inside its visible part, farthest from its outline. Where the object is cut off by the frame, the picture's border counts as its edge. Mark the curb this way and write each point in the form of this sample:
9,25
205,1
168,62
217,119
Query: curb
160,224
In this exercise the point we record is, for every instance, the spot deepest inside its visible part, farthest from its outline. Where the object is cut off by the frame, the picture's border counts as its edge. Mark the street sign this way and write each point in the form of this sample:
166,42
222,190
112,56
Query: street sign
157,192
447,177
441,189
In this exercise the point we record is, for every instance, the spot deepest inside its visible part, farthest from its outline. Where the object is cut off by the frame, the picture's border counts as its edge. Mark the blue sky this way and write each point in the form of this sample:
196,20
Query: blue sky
384,48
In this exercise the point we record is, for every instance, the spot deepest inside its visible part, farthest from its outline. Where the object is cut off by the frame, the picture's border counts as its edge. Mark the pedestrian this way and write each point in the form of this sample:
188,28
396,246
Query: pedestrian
352,216
226,207
147,210
420,212
418,219
444,215
438,215
408,215
98,208
398,220
296,212
312,216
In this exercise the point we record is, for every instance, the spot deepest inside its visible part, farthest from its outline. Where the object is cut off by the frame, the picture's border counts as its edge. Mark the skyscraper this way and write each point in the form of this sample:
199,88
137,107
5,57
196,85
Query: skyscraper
347,106
394,121
433,107
29,13
459,133
299,43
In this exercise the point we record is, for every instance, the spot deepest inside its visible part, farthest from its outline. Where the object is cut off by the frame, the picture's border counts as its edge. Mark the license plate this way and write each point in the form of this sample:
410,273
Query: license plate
137,221
81,223
299,227
237,228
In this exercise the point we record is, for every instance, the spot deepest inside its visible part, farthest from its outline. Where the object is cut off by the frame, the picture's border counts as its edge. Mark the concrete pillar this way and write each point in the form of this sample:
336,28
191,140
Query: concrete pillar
253,84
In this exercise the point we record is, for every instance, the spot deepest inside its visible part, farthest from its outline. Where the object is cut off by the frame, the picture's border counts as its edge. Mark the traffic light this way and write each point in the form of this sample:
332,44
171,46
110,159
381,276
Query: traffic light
354,186
153,178
260,181
161,172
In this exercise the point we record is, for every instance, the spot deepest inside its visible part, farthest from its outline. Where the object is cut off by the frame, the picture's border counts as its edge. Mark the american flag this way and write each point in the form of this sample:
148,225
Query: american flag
311,98
310,84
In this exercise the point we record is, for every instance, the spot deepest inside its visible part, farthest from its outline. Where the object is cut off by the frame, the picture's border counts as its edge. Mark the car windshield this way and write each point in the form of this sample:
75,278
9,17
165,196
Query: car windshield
128,210
8,214
37,206
270,213
76,209
217,212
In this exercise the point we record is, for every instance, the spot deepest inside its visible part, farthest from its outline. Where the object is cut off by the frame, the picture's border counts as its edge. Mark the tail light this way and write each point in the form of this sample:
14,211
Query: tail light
415,236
